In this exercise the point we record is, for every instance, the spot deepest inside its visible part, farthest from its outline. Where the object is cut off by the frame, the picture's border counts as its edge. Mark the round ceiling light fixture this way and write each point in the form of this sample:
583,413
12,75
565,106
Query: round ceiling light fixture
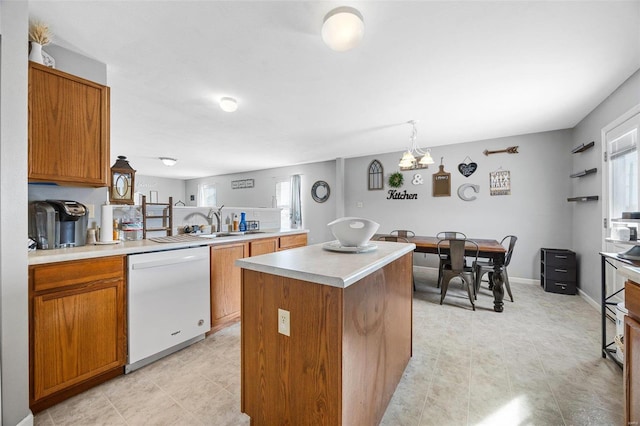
167,161
228,104
343,28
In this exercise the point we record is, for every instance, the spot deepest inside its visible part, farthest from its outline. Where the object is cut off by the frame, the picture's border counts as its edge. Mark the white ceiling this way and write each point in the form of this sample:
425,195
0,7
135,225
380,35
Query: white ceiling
465,70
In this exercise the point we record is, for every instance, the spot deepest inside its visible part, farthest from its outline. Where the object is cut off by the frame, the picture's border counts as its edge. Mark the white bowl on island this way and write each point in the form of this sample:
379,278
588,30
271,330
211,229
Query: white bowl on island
353,231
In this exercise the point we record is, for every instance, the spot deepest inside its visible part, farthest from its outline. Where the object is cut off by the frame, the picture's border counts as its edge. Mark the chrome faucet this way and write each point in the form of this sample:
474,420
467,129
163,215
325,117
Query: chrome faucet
218,215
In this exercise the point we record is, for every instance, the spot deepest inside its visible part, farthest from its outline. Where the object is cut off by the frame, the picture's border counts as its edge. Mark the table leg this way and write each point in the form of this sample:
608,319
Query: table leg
498,291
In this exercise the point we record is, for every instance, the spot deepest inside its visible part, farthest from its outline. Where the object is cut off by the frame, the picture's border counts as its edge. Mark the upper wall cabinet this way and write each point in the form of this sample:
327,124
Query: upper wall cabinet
68,129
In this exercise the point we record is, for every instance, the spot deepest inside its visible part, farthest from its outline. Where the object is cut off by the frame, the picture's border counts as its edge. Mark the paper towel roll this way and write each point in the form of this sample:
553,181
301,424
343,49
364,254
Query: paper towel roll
106,224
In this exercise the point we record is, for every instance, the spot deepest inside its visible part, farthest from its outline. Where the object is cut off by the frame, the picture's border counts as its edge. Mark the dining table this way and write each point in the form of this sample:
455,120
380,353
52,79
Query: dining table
487,248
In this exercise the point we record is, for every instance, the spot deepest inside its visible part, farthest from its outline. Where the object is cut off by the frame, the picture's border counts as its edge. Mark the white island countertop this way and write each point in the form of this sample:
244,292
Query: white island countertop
144,246
317,265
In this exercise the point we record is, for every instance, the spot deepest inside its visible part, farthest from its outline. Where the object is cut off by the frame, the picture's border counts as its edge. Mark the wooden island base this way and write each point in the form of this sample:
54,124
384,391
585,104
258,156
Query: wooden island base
346,352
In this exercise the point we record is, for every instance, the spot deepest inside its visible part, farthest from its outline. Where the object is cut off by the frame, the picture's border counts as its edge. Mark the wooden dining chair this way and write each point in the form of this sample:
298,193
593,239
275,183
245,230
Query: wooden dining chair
456,267
445,259
398,239
482,267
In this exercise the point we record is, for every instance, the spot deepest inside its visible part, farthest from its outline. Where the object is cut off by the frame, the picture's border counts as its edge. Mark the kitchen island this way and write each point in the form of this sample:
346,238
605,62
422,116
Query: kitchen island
326,336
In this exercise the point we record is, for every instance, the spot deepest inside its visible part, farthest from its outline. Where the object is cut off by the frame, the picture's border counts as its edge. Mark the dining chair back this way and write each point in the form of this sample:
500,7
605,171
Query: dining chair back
445,259
483,267
451,234
456,266
403,233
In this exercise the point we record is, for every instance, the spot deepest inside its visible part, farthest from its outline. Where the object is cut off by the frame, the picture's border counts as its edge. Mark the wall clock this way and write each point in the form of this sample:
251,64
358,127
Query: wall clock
320,191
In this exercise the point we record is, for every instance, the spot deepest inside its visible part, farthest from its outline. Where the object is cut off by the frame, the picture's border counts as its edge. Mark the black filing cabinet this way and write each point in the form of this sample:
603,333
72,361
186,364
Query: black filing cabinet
558,272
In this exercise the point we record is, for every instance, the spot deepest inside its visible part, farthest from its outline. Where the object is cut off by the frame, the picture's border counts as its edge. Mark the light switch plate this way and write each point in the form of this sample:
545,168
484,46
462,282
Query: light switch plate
284,322
92,210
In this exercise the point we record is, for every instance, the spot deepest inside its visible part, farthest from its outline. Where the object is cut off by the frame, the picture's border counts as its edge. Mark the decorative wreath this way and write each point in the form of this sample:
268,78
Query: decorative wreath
396,180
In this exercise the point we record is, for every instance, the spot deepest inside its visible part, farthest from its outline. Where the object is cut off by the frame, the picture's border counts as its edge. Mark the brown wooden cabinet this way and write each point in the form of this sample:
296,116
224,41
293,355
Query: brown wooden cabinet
68,129
292,241
77,327
632,353
264,246
226,281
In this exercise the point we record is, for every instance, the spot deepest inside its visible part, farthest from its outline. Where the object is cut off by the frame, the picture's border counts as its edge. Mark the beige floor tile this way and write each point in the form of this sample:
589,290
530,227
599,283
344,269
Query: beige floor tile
536,363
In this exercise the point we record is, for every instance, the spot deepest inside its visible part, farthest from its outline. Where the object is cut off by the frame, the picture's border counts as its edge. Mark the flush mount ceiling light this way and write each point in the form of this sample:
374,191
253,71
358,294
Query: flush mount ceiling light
228,104
415,158
169,161
343,28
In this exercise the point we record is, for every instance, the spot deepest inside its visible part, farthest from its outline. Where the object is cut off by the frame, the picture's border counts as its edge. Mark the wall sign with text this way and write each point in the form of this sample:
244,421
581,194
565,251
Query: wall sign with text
500,182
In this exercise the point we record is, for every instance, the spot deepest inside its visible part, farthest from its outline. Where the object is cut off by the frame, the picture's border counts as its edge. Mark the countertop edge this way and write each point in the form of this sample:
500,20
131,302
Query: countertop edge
334,281
40,257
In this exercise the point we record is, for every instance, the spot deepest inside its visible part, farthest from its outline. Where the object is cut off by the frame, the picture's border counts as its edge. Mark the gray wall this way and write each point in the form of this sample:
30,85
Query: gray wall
587,218
166,188
76,64
14,354
537,211
315,216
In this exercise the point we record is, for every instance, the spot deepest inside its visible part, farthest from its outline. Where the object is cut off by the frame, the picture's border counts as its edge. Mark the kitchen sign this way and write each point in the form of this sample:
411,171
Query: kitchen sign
394,194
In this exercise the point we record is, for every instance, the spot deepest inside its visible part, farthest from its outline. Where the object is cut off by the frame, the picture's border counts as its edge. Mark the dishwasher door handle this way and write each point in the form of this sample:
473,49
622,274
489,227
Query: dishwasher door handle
167,262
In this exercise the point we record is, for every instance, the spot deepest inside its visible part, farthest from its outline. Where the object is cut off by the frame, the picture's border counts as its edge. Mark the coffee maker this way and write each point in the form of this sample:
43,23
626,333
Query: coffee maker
58,223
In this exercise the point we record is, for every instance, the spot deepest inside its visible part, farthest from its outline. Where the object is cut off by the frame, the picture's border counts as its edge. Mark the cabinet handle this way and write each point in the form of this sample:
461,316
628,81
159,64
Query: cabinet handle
561,270
560,257
564,286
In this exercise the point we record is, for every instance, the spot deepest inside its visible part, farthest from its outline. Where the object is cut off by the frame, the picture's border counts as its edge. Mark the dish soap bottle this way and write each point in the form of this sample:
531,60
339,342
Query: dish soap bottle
243,222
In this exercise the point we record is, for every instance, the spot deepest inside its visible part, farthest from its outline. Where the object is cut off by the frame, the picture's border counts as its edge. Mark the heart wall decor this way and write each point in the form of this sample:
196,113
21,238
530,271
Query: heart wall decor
467,169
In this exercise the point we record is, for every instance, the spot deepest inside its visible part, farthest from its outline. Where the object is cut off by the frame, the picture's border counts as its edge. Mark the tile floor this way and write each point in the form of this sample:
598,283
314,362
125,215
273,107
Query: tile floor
537,363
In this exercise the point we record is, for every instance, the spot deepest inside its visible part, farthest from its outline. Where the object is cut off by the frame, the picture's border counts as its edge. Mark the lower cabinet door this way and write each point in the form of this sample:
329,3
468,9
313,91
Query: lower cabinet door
226,279
77,334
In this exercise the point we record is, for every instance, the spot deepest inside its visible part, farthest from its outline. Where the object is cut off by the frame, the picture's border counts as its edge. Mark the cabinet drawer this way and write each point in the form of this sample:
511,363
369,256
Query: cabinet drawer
291,241
56,275
559,258
632,298
560,273
562,287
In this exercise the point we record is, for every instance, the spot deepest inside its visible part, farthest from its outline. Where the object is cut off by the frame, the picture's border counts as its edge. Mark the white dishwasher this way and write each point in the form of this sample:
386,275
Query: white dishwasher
168,303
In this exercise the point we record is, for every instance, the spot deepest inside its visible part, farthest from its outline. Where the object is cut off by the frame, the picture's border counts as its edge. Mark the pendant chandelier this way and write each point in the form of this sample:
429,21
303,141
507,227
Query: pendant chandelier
414,157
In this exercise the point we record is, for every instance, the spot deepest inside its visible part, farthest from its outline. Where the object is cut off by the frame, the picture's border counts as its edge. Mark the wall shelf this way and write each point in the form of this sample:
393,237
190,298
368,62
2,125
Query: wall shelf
584,173
586,198
583,147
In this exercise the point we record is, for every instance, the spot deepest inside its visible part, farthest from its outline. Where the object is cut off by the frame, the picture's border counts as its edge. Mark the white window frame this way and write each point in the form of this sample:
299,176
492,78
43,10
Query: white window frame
285,204
201,198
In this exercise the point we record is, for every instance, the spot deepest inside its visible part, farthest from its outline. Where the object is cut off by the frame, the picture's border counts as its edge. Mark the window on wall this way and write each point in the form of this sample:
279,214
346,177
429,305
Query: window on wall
206,195
283,200
622,145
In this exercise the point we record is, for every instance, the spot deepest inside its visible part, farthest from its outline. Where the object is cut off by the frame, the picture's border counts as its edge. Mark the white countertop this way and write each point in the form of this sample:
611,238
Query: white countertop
631,272
143,246
314,264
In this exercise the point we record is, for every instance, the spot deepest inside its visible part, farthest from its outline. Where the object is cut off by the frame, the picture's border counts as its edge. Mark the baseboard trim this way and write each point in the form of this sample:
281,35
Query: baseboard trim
27,421
512,279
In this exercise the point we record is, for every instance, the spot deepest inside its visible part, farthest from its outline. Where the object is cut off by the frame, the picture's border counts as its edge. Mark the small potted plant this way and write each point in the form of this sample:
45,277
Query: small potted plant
39,35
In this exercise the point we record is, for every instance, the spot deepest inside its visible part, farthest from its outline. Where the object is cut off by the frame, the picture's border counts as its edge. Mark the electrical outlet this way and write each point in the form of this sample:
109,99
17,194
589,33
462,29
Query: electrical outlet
92,210
284,322
359,204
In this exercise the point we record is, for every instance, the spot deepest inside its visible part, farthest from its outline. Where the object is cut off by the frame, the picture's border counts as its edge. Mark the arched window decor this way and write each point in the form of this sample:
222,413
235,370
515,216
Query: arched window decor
376,173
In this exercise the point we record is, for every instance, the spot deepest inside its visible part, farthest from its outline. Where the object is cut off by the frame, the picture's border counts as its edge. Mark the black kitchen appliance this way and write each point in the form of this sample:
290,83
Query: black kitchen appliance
58,223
